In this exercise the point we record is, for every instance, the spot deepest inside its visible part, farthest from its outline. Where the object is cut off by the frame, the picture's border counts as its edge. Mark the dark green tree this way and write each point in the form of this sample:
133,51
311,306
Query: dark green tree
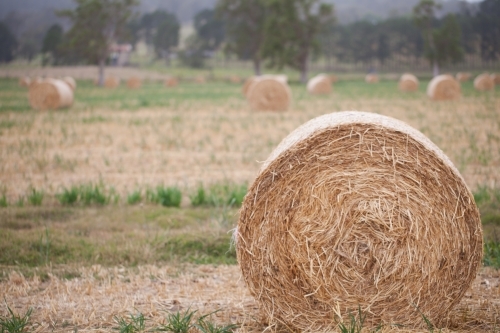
245,28
166,36
292,28
447,40
424,17
488,26
51,43
8,44
96,25
28,49
209,28
383,49
193,53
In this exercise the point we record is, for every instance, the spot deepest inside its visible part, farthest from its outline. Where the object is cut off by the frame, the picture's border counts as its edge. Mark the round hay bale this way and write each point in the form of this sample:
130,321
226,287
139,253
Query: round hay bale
408,83
70,82
333,78
484,82
134,83
200,80
371,78
36,81
355,209
24,81
50,94
269,93
319,85
463,77
235,79
444,87
246,85
496,78
171,82
111,82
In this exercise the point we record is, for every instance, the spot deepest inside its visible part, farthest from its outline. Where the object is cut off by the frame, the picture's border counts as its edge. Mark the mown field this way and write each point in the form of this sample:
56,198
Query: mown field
124,204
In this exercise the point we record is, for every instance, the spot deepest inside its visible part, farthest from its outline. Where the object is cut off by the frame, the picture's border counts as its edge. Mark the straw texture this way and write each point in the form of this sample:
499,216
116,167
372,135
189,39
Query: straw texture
444,87
70,82
484,82
134,83
357,209
111,82
496,78
319,85
246,85
50,94
269,93
371,78
408,83
463,77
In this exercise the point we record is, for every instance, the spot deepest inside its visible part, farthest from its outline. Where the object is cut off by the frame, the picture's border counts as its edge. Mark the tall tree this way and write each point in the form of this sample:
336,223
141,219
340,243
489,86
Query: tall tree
209,28
166,36
292,29
488,26
96,25
245,28
448,41
51,42
424,16
8,44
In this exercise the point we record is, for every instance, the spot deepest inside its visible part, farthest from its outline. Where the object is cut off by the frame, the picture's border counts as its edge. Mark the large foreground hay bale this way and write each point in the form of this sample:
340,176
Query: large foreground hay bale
111,82
496,78
484,82
246,85
408,83
358,209
50,94
24,81
371,78
320,84
171,82
70,82
444,87
269,93
134,83
463,77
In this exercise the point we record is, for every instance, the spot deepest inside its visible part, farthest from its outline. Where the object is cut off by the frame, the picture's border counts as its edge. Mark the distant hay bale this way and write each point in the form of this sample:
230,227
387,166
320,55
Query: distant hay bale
111,82
70,82
246,85
484,82
320,84
408,83
463,77
134,83
371,78
355,209
50,94
171,82
24,81
235,79
36,81
200,80
333,78
444,87
496,78
269,93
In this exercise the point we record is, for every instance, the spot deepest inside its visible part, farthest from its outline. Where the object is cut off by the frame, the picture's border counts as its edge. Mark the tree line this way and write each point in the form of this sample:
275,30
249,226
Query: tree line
271,33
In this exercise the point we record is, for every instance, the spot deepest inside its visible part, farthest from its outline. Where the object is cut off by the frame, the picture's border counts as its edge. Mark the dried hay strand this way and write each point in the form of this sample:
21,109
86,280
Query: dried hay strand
50,94
111,82
444,87
371,78
319,85
24,81
171,82
484,82
70,82
134,83
463,77
408,83
496,78
358,209
269,93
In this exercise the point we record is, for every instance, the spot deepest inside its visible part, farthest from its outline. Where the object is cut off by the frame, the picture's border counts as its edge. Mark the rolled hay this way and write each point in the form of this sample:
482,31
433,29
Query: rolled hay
319,85
24,81
269,93
134,83
171,82
51,94
408,83
111,82
463,77
444,87
36,81
333,78
484,82
235,79
355,209
70,82
200,79
246,85
496,78
371,78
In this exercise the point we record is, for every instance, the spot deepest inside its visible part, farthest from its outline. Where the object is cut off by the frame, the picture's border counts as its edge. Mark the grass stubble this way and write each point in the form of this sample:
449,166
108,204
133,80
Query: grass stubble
85,267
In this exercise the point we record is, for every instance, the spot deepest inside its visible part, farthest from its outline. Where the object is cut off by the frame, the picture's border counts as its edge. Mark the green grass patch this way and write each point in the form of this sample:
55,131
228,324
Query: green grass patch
165,196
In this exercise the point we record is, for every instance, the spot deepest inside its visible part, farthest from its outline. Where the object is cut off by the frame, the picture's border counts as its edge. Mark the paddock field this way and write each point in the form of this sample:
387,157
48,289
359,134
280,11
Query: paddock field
82,267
